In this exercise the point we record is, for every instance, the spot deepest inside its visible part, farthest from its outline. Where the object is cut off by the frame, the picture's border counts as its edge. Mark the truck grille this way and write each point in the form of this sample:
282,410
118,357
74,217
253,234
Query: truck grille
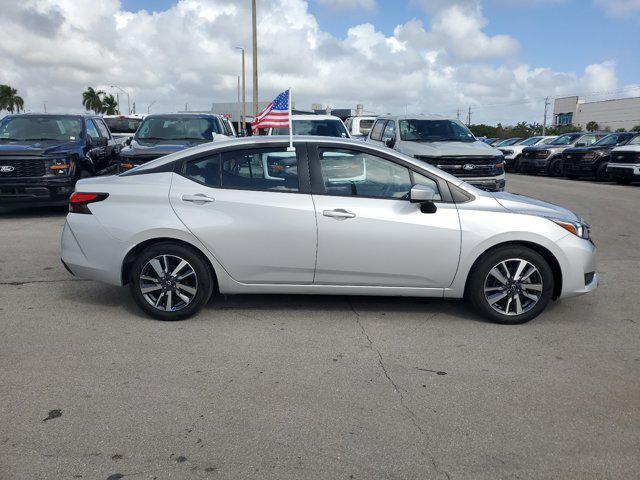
468,166
625,157
12,167
535,154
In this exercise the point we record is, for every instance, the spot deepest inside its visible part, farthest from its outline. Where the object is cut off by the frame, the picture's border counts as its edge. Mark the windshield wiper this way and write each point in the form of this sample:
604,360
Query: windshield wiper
189,138
452,140
11,139
153,138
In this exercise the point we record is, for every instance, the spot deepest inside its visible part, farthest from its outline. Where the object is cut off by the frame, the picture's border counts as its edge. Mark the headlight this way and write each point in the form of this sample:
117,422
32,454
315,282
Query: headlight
507,152
59,166
579,229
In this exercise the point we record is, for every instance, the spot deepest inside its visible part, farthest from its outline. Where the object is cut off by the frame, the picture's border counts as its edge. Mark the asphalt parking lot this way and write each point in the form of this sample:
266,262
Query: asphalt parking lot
292,387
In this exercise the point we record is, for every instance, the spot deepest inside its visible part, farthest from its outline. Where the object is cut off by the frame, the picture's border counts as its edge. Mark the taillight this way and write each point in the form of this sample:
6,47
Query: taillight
79,201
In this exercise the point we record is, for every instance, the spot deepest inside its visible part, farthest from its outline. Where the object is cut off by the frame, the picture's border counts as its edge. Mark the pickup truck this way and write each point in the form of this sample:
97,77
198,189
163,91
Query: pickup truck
43,155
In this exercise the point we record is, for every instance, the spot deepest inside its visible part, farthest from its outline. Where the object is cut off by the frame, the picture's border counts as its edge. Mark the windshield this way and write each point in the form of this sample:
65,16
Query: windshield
123,124
610,140
365,126
49,127
634,141
530,141
564,139
508,142
417,130
321,128
178,128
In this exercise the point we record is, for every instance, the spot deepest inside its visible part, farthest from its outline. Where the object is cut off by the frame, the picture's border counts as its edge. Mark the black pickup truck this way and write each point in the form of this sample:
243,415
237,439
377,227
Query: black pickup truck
43,155
592,161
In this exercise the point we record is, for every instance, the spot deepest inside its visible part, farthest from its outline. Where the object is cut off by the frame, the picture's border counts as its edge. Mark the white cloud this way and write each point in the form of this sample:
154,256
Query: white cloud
619,8
53,49
368,5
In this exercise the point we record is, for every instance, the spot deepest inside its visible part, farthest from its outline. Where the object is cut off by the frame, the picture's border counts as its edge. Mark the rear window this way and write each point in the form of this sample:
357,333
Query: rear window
321,128
178,128
123,125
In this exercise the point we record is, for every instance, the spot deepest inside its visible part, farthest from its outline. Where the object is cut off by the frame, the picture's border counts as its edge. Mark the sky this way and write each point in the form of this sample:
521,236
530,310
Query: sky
499,57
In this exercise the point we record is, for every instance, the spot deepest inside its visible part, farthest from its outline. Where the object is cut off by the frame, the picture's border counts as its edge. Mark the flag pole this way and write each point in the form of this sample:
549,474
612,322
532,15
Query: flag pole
290,147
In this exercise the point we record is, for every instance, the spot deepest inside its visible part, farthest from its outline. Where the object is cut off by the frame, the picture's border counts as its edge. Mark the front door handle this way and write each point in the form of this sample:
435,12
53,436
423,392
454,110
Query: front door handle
199,198
339,214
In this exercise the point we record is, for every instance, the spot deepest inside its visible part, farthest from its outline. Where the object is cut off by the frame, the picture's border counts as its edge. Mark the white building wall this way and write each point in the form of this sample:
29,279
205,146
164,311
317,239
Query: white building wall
613,114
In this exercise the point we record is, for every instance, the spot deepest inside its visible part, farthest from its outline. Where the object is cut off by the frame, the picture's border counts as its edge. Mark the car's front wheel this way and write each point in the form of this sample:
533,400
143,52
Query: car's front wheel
170,281
555,168
511,285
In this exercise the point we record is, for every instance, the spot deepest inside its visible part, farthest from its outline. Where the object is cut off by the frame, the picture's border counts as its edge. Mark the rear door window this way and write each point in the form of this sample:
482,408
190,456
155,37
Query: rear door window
266,169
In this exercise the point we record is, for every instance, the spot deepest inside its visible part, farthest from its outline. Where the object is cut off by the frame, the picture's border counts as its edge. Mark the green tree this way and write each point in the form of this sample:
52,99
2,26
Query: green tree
10,100
620,130
592,126
109,105
92,99
636,128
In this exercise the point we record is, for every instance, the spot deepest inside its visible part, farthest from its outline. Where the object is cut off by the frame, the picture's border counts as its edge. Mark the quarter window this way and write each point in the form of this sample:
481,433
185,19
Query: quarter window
204,170
272,169
104,132
376,131
354,173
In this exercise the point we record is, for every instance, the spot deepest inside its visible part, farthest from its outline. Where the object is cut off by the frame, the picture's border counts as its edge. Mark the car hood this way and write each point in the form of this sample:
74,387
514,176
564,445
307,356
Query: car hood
627,148
552,148
532,206
35,148
588,149
446,149
160,148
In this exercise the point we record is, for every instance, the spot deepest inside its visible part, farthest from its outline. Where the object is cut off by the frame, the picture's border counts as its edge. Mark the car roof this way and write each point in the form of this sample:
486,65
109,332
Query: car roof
314,117
260,140
420,116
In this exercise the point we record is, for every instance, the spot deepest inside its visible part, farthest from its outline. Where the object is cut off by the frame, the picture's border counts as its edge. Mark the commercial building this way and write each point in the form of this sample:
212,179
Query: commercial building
608,114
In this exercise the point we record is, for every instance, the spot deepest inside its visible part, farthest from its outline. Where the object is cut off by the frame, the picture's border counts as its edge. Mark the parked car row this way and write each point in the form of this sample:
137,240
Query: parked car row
602,156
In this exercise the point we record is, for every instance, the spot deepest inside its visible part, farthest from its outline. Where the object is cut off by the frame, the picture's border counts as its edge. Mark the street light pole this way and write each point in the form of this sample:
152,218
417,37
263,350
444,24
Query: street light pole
128,97
255,58
244,99
149,106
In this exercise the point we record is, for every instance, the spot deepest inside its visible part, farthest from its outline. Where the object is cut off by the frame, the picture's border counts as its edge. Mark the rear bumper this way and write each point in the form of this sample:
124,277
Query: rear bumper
37,192
630,171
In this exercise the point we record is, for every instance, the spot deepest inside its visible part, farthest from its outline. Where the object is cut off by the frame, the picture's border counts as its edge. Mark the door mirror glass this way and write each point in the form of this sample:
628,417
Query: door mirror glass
423,193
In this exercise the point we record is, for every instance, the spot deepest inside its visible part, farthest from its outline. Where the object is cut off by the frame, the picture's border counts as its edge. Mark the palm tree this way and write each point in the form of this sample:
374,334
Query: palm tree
10,100
92,100
109,105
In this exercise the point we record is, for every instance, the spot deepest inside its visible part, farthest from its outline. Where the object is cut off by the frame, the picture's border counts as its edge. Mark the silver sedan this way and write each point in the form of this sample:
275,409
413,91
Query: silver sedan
330,216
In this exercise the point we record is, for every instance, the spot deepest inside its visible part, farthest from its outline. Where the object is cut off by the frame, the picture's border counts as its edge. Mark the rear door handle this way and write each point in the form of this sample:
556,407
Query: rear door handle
199,198
339,214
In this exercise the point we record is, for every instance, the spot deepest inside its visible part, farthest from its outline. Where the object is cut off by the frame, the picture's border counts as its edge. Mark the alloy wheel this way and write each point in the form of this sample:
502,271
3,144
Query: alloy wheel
168,283
513,287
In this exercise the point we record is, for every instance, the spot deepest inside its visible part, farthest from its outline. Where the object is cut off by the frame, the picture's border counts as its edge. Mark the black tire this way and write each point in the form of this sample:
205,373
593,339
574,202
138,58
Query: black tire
516,166
555,168
480,274
601,173
573,177
203,283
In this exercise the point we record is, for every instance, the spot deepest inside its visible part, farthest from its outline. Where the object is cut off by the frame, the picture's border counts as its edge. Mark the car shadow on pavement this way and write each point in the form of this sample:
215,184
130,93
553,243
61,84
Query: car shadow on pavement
105,297
33,212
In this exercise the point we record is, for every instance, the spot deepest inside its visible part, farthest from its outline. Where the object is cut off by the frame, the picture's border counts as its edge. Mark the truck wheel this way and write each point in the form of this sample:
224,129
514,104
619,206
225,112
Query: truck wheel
555,168
601,173
170,281
510,285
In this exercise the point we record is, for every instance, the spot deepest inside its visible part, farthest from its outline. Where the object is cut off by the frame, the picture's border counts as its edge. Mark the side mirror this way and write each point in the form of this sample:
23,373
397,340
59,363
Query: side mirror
128,140
101,142
425,196
390,142
581,144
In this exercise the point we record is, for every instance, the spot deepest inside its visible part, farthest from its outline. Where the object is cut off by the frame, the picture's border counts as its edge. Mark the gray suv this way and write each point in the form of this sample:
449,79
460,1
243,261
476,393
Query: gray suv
445,143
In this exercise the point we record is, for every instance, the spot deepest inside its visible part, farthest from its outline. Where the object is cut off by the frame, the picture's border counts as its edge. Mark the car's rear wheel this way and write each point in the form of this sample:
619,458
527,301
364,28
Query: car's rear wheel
170,281
511,285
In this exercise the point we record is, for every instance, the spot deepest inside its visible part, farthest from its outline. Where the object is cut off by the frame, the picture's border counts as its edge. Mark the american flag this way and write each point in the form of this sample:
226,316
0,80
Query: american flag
274,115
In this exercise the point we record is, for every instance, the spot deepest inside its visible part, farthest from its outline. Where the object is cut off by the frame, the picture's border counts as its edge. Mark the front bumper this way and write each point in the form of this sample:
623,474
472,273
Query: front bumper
579,274
624,171
491,184
41,191
534,165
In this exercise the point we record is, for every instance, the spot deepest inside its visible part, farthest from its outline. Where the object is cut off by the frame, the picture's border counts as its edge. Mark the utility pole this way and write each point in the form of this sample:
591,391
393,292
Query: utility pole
127,94
239,107
255,58
149,106
458,114
244,99
45,107
469,116
544,122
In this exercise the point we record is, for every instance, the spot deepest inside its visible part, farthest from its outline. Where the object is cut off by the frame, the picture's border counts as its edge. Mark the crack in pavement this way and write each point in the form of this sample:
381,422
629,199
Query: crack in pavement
27,282
412,415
